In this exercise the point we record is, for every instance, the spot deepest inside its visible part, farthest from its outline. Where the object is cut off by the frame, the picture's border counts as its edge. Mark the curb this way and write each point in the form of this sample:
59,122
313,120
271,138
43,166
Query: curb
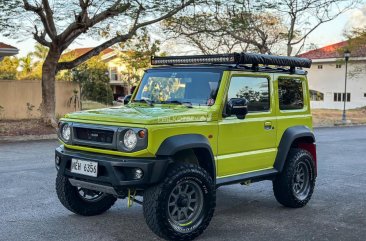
28,138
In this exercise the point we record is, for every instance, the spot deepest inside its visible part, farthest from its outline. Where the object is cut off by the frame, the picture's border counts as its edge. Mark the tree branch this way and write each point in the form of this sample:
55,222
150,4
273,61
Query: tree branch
39,11
120,38
41,38
49,17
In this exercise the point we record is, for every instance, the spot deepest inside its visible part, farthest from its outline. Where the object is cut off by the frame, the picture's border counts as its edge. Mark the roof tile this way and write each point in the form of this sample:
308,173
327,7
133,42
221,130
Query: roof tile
335,51
6,46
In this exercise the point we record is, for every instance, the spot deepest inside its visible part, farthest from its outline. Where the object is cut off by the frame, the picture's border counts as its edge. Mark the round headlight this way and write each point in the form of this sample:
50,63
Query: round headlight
130,139
66,132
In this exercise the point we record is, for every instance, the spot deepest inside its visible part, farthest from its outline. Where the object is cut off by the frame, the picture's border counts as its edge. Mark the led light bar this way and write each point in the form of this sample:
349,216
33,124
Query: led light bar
197,59
234,58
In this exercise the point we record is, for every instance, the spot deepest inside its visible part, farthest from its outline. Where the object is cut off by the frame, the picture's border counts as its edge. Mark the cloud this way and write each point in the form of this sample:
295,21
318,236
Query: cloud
357,18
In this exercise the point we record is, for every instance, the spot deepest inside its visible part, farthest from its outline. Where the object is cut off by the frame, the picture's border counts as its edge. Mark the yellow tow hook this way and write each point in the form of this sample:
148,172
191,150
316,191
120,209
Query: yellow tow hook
130,197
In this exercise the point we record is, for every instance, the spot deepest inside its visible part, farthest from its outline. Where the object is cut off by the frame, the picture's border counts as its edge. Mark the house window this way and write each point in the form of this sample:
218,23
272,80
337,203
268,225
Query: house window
316,95
338,66
113,74
320,66
339,97
364,95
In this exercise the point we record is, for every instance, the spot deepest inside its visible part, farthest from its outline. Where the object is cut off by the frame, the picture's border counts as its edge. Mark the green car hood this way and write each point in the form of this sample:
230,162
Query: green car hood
141,114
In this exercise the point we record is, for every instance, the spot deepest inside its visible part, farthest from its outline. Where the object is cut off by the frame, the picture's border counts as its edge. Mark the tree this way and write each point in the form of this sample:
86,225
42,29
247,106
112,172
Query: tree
227,26
136,56
26,63
40,52
55,28
302,17
356,45
93,80
8,68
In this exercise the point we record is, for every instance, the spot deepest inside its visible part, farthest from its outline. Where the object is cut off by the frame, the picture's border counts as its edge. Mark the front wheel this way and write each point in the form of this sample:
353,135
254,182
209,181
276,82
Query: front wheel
80,200
181,207
295,185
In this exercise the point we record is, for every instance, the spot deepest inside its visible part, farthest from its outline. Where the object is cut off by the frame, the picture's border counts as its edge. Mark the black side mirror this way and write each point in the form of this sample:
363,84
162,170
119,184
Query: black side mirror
126,99
238,107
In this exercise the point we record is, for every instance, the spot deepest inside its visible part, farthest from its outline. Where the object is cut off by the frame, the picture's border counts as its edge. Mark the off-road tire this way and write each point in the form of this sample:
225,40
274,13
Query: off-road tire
69,197
155,205
283,183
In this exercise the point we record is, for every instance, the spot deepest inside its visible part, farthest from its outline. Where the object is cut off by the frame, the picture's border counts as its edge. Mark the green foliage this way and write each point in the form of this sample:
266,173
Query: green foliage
93,79
136,56
40,52
8,68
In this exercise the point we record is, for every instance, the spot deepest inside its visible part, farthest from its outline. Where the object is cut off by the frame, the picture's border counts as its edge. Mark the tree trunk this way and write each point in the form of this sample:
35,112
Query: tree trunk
49,70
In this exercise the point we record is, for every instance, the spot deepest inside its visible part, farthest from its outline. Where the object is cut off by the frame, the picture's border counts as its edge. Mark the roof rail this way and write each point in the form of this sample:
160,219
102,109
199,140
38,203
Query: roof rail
234,58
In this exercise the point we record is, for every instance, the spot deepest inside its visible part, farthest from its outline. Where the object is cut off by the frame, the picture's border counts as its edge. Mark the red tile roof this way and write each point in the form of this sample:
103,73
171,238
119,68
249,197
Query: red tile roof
6,46
80,51
335,51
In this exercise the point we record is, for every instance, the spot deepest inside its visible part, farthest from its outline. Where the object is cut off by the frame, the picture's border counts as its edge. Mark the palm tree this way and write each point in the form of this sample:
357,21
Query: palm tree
26,63
40,52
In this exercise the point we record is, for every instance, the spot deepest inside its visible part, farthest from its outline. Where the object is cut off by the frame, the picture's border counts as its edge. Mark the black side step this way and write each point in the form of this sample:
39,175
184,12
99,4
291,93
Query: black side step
252,176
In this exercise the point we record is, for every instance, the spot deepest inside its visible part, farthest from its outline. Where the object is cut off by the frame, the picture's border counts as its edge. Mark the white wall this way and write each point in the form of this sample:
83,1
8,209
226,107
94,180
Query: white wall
330,80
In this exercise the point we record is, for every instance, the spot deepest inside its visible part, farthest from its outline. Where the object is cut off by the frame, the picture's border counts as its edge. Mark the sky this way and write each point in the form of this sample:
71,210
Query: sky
328,33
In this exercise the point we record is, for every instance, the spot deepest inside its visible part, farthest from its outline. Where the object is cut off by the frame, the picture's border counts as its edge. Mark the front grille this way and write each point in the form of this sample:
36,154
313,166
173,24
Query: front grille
94,135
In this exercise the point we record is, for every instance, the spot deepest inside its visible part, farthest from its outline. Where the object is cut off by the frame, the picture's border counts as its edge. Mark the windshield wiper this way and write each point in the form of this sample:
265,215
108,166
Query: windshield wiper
185,103
149,102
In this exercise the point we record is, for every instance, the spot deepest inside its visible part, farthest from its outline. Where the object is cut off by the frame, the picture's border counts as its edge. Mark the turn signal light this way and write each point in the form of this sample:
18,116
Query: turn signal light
142,134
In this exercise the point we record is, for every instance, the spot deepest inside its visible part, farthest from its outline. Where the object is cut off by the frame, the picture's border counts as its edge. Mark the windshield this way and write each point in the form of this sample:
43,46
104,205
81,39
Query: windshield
193,87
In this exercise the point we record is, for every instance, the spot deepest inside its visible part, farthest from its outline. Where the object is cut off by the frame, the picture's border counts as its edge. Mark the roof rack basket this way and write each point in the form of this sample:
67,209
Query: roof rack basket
234,58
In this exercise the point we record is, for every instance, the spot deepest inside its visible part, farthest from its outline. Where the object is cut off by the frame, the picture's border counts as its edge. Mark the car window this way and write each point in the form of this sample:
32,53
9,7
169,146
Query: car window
254,89
195,87
290,92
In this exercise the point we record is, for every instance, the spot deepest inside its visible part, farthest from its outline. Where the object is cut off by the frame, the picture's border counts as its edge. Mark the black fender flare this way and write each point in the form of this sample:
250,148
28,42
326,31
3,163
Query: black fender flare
288,138
177,143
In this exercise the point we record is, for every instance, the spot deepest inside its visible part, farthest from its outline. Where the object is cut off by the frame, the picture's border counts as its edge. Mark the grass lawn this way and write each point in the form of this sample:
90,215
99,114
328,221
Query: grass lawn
89,105
325,117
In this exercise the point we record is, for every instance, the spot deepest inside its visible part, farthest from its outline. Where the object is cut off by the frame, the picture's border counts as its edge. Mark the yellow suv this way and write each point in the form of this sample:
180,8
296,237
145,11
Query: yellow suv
194,123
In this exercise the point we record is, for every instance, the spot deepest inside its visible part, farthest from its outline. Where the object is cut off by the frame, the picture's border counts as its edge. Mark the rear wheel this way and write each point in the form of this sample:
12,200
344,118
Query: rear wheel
181,207
295,185
80,200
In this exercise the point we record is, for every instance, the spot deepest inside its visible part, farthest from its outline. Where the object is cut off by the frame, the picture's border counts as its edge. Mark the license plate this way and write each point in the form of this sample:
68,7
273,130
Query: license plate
88,168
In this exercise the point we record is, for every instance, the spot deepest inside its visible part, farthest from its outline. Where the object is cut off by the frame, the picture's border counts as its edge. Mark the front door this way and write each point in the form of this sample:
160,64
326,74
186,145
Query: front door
246,145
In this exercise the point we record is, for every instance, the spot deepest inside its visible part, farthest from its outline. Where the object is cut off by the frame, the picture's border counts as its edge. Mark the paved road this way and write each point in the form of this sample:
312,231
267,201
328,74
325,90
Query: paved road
29,209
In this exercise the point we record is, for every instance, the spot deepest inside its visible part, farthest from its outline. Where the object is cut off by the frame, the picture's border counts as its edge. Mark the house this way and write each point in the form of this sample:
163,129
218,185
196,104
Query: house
7,50
115,65
327,76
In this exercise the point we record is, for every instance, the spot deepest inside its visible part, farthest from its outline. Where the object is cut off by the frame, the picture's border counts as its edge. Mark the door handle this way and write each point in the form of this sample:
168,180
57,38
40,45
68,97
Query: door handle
268,125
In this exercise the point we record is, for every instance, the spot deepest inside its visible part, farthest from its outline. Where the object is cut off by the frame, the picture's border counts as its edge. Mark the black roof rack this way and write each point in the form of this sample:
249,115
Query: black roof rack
234,58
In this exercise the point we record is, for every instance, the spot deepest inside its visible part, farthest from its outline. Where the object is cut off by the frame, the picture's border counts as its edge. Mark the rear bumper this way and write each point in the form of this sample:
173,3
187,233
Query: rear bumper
115,174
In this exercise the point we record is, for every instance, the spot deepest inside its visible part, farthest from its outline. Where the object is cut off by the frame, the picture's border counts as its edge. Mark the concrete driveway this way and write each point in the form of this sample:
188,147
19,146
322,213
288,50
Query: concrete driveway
30,210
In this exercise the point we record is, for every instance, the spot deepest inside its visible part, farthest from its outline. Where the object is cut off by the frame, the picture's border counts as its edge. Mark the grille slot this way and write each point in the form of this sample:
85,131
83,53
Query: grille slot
94,135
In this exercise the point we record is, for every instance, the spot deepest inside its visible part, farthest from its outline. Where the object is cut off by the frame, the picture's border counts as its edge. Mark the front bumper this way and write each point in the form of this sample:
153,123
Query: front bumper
115,174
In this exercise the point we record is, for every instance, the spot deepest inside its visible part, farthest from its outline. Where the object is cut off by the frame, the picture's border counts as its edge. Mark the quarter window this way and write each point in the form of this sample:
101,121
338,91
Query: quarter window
291,96
254,89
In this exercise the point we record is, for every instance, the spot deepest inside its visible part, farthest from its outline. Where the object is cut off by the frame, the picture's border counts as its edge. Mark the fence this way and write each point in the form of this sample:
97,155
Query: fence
21,99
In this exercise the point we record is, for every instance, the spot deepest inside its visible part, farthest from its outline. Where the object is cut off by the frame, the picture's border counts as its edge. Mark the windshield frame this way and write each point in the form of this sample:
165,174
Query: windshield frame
220,71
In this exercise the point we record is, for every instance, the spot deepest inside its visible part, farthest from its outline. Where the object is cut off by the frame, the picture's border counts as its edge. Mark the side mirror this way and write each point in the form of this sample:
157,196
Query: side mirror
238,107
126,99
